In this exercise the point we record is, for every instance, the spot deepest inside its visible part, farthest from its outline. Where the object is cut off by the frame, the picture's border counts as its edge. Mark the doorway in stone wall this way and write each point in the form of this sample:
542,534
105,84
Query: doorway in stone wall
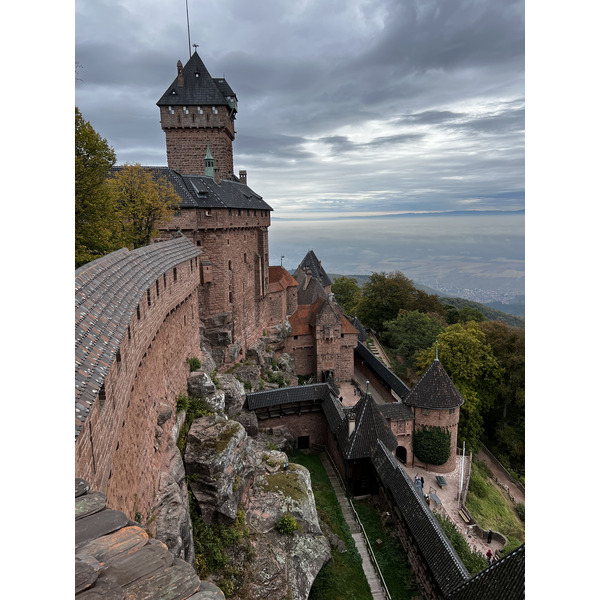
304,442
401,454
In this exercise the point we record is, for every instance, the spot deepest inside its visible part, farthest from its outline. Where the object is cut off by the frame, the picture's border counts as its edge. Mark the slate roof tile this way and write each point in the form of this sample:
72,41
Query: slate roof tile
381,370
434,390
440,557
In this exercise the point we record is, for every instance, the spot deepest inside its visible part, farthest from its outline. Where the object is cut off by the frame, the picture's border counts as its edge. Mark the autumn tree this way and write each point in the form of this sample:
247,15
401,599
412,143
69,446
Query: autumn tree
144,202
470,362
96,226
347,293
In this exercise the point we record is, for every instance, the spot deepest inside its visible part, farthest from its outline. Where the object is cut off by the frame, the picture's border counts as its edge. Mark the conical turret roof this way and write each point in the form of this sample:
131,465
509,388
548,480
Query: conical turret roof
198,89
434,390
370,427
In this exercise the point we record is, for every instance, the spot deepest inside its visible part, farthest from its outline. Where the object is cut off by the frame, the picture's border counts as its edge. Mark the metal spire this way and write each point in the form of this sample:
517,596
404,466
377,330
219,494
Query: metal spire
436,350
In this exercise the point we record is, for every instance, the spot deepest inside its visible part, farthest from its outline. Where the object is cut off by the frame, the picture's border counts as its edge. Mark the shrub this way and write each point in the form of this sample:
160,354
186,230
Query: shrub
194,363
287,524
477,486
432,445
520,509
183,402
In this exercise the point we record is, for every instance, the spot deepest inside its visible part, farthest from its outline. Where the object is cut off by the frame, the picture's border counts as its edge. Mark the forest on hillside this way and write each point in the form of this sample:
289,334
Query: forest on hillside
484,357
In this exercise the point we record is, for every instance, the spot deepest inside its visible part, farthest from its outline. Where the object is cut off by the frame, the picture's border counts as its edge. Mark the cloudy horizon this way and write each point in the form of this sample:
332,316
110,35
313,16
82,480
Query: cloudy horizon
355,106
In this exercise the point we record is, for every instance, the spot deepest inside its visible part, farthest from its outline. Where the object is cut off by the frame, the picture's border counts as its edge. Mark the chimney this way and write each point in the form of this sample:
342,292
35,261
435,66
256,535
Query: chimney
243,177
179,74
217,177
351,423
307,279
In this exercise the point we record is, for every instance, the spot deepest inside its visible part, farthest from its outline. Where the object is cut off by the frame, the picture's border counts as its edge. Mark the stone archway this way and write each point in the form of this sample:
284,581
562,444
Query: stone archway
401,454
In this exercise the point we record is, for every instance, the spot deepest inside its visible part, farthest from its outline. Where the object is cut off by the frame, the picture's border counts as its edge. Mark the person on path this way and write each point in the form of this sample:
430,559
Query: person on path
490,536
489,556
423,483
417,478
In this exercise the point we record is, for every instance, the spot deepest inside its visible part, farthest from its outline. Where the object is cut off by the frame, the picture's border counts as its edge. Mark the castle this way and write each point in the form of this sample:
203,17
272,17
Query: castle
206,280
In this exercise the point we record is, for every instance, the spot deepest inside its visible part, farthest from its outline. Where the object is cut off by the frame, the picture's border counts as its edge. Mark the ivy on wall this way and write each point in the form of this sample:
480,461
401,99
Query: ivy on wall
431,445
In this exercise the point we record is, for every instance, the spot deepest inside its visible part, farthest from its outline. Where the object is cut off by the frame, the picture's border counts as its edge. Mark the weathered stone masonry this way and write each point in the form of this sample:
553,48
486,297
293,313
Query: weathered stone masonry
136,323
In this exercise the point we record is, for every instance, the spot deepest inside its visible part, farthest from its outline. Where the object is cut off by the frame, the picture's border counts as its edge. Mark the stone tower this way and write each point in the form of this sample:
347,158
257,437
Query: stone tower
195,111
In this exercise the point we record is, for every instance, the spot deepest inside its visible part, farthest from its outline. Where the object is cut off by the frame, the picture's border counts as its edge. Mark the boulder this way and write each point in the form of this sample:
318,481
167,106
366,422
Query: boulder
250,422
219,462
286,364
249,375
234,394
216,402
164,414
200,384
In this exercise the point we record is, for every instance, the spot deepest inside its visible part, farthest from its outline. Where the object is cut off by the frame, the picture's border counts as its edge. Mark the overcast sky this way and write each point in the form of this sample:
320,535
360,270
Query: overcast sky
345,106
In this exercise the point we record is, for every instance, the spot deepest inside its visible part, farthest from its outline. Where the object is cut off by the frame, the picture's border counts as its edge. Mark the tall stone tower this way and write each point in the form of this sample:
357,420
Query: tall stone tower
196,111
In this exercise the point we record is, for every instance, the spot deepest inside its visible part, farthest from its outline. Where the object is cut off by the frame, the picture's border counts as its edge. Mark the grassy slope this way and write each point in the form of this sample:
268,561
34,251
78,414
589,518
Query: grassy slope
342,578
492,510
390,555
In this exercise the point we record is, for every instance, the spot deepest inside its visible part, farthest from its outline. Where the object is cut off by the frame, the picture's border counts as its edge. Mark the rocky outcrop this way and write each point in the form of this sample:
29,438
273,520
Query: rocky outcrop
219,464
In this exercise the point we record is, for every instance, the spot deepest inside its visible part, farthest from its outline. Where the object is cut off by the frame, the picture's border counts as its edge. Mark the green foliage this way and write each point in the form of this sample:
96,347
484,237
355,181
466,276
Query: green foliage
477,486
493,510
384,295
473,560
520,510
453,305
195,408
144,201
410,332
278,378
213,543
96,225
183,402
431,445
470,362
194,363
287,524
343,576
505,422
347,293
391,556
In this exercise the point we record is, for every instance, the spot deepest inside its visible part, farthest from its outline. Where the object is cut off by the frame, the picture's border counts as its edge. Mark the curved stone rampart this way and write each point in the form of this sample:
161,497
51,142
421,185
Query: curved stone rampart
136,323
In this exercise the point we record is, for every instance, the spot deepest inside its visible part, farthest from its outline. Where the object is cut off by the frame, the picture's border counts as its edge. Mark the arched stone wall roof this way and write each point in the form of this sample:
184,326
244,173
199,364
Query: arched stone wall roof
107,293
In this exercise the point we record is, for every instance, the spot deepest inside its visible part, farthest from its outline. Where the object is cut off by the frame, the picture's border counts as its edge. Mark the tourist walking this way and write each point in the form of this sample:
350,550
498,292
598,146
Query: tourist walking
490,536
489,556
423,483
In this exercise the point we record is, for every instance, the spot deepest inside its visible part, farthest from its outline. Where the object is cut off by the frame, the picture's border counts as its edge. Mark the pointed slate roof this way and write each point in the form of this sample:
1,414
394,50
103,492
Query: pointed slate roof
434,390
199,88
369,427
313,264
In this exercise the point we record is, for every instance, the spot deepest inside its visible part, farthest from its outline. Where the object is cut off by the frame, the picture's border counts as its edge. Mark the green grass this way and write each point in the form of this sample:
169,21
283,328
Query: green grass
391,556
342,578
492,510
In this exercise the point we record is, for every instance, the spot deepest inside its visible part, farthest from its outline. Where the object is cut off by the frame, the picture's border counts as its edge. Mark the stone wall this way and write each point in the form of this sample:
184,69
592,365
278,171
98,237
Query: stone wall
236,243
189,134
313,425
118,450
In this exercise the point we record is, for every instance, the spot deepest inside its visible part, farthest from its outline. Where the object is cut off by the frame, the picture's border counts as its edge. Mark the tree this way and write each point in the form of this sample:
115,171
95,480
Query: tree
505,423
382,297
96,225
432,445
347,293
144,201
410,332
470,362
